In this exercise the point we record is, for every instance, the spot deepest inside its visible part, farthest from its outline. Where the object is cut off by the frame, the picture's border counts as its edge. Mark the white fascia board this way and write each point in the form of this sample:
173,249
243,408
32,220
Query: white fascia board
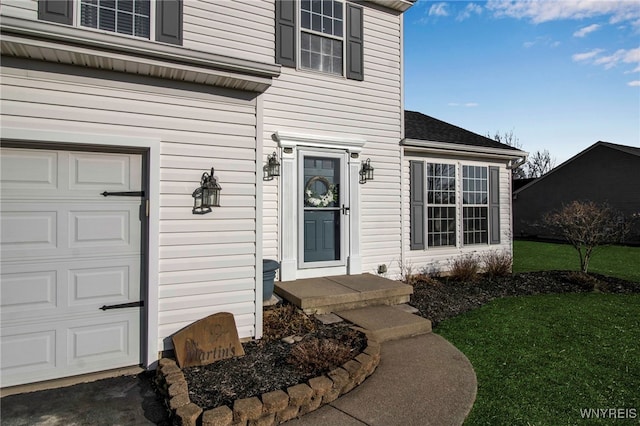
292,140
399,5
23,38
418,145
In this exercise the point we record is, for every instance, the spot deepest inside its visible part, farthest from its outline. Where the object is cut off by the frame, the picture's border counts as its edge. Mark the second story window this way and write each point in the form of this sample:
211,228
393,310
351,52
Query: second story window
131,17
321,32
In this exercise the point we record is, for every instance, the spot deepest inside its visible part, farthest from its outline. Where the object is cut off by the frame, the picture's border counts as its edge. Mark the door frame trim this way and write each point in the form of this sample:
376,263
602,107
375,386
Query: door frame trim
290,142
344,197
150,150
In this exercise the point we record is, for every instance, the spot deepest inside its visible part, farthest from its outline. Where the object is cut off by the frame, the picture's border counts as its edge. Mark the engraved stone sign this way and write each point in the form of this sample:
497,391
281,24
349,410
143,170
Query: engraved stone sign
207,340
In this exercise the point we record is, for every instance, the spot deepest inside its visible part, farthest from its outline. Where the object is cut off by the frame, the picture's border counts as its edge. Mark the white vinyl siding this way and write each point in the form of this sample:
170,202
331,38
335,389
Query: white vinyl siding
433,259
239,28
313,103
207,263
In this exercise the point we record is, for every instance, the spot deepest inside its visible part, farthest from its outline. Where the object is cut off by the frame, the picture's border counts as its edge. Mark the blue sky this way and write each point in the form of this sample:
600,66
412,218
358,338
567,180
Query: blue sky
560,74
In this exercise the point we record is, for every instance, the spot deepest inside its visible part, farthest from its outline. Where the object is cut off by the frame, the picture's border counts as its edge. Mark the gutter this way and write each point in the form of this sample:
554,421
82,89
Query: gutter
516,156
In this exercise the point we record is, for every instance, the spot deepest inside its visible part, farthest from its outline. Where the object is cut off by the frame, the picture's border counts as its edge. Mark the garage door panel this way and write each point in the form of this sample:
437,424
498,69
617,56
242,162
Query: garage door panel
29,170
104,285
101,340
34,351
100,228
28,291
29,230
101,172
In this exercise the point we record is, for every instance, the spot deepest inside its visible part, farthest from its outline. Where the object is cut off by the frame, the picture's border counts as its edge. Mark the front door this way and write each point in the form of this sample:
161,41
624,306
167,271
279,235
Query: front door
323,209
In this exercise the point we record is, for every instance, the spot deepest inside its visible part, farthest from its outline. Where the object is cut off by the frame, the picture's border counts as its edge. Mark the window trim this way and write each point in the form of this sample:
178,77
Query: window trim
492,206
343,39
153,15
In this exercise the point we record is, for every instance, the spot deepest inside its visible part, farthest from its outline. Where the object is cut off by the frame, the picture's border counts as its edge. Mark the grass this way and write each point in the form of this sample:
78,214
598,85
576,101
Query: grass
616,261
540,359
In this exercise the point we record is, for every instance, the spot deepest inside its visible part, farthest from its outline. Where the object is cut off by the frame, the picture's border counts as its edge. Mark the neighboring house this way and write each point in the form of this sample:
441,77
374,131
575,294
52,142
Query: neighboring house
456,193
603,173
144,98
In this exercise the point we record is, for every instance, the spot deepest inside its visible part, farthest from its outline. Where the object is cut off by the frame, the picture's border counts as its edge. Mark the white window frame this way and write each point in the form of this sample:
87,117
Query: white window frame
77,22
323,35
455,205
473,205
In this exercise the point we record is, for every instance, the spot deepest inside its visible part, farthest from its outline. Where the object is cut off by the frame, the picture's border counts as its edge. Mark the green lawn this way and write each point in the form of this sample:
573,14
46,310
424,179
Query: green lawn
540,359
618,261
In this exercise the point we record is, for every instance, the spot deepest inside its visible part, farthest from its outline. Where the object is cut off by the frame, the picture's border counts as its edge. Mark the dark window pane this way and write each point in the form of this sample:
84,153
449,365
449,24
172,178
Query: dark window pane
316,23
125,23
111,4
315,43
89,16
142,26
305,5
337,28
316,6
315,61
142,7
125,5
304,41
337,9
327,8
306,20
107,20
327,25
337,65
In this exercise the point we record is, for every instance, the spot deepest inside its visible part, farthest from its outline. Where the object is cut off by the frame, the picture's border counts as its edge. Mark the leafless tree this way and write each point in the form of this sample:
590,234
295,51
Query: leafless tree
539,163
509,138
587,226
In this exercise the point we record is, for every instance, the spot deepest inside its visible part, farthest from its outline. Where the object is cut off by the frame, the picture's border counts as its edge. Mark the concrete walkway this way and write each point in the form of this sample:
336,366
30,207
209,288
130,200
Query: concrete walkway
422,380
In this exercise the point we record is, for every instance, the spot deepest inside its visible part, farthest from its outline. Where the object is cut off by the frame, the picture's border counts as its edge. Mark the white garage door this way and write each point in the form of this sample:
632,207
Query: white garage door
68,251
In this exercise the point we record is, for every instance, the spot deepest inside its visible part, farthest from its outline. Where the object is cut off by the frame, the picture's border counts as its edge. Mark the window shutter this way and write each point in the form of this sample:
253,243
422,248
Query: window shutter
60,11
355,43
494,205
286,33
416,204
169,21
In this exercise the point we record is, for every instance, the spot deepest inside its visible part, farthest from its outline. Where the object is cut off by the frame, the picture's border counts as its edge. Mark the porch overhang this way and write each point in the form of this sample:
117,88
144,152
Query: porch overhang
52,42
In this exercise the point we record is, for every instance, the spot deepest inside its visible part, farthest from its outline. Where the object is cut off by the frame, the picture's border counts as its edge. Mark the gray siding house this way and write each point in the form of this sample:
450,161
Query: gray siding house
604,173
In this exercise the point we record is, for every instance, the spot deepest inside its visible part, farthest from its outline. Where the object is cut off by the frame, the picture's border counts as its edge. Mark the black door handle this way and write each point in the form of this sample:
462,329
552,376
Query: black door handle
123,305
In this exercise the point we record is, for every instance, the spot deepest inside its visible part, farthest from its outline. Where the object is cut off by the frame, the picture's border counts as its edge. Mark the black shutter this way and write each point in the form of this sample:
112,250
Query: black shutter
494,205
60,11
416,204
286,33
169,21
355,43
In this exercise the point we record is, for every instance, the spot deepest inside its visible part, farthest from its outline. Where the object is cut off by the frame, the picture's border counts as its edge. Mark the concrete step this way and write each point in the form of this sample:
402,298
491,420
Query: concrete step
340,293
384,323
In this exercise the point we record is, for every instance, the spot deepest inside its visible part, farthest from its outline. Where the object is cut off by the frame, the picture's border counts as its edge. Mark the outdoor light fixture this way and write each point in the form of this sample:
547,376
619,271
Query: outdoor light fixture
208,195
366,172
272,167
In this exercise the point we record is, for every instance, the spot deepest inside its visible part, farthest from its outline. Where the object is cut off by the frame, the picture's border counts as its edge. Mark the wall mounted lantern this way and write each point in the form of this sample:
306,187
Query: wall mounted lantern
208,195
272,168
366,172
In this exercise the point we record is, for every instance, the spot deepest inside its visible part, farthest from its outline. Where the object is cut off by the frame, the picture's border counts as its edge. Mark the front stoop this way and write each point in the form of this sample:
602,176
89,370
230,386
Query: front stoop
385,323
340,293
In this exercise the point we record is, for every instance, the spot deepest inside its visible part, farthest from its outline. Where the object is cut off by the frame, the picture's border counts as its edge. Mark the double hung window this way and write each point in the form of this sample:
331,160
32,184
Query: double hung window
321,30
475,205
441,205
131,17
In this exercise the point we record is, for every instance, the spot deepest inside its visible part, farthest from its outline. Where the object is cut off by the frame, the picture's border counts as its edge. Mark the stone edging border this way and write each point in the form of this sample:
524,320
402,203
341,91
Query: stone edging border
272,408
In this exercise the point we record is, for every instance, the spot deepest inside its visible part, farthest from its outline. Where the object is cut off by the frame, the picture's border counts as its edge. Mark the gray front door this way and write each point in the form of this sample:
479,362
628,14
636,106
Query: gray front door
323,209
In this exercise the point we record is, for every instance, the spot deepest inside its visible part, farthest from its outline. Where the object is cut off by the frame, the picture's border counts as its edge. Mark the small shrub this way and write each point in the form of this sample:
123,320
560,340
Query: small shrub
464,268
285,320
497,263
583,279
315,356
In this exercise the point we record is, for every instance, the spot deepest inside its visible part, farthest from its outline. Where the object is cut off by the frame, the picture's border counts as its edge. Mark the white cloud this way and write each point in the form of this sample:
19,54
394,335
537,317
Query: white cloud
551,10
580,57
438,9
582,32
471,9
466,105
635,83
542,40
471,104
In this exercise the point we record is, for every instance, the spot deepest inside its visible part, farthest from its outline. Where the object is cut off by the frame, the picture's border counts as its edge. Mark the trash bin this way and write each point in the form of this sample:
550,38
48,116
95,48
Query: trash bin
269,268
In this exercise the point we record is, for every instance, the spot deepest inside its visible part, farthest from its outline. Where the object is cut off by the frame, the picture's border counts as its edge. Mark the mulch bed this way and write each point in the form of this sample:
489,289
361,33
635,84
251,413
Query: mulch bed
267,367
442,298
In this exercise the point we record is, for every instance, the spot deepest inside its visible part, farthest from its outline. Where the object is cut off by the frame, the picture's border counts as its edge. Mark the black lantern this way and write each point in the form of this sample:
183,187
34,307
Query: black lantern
273,166
208,195
366,172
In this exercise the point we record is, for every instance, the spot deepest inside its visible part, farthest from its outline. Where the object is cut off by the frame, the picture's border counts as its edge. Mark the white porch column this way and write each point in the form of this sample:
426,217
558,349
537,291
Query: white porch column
289,214
354,259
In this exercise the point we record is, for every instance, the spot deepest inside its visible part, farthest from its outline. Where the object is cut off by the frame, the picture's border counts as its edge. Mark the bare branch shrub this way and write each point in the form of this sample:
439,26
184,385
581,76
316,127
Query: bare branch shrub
587,226
315,355
465,268
497,263
284,321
